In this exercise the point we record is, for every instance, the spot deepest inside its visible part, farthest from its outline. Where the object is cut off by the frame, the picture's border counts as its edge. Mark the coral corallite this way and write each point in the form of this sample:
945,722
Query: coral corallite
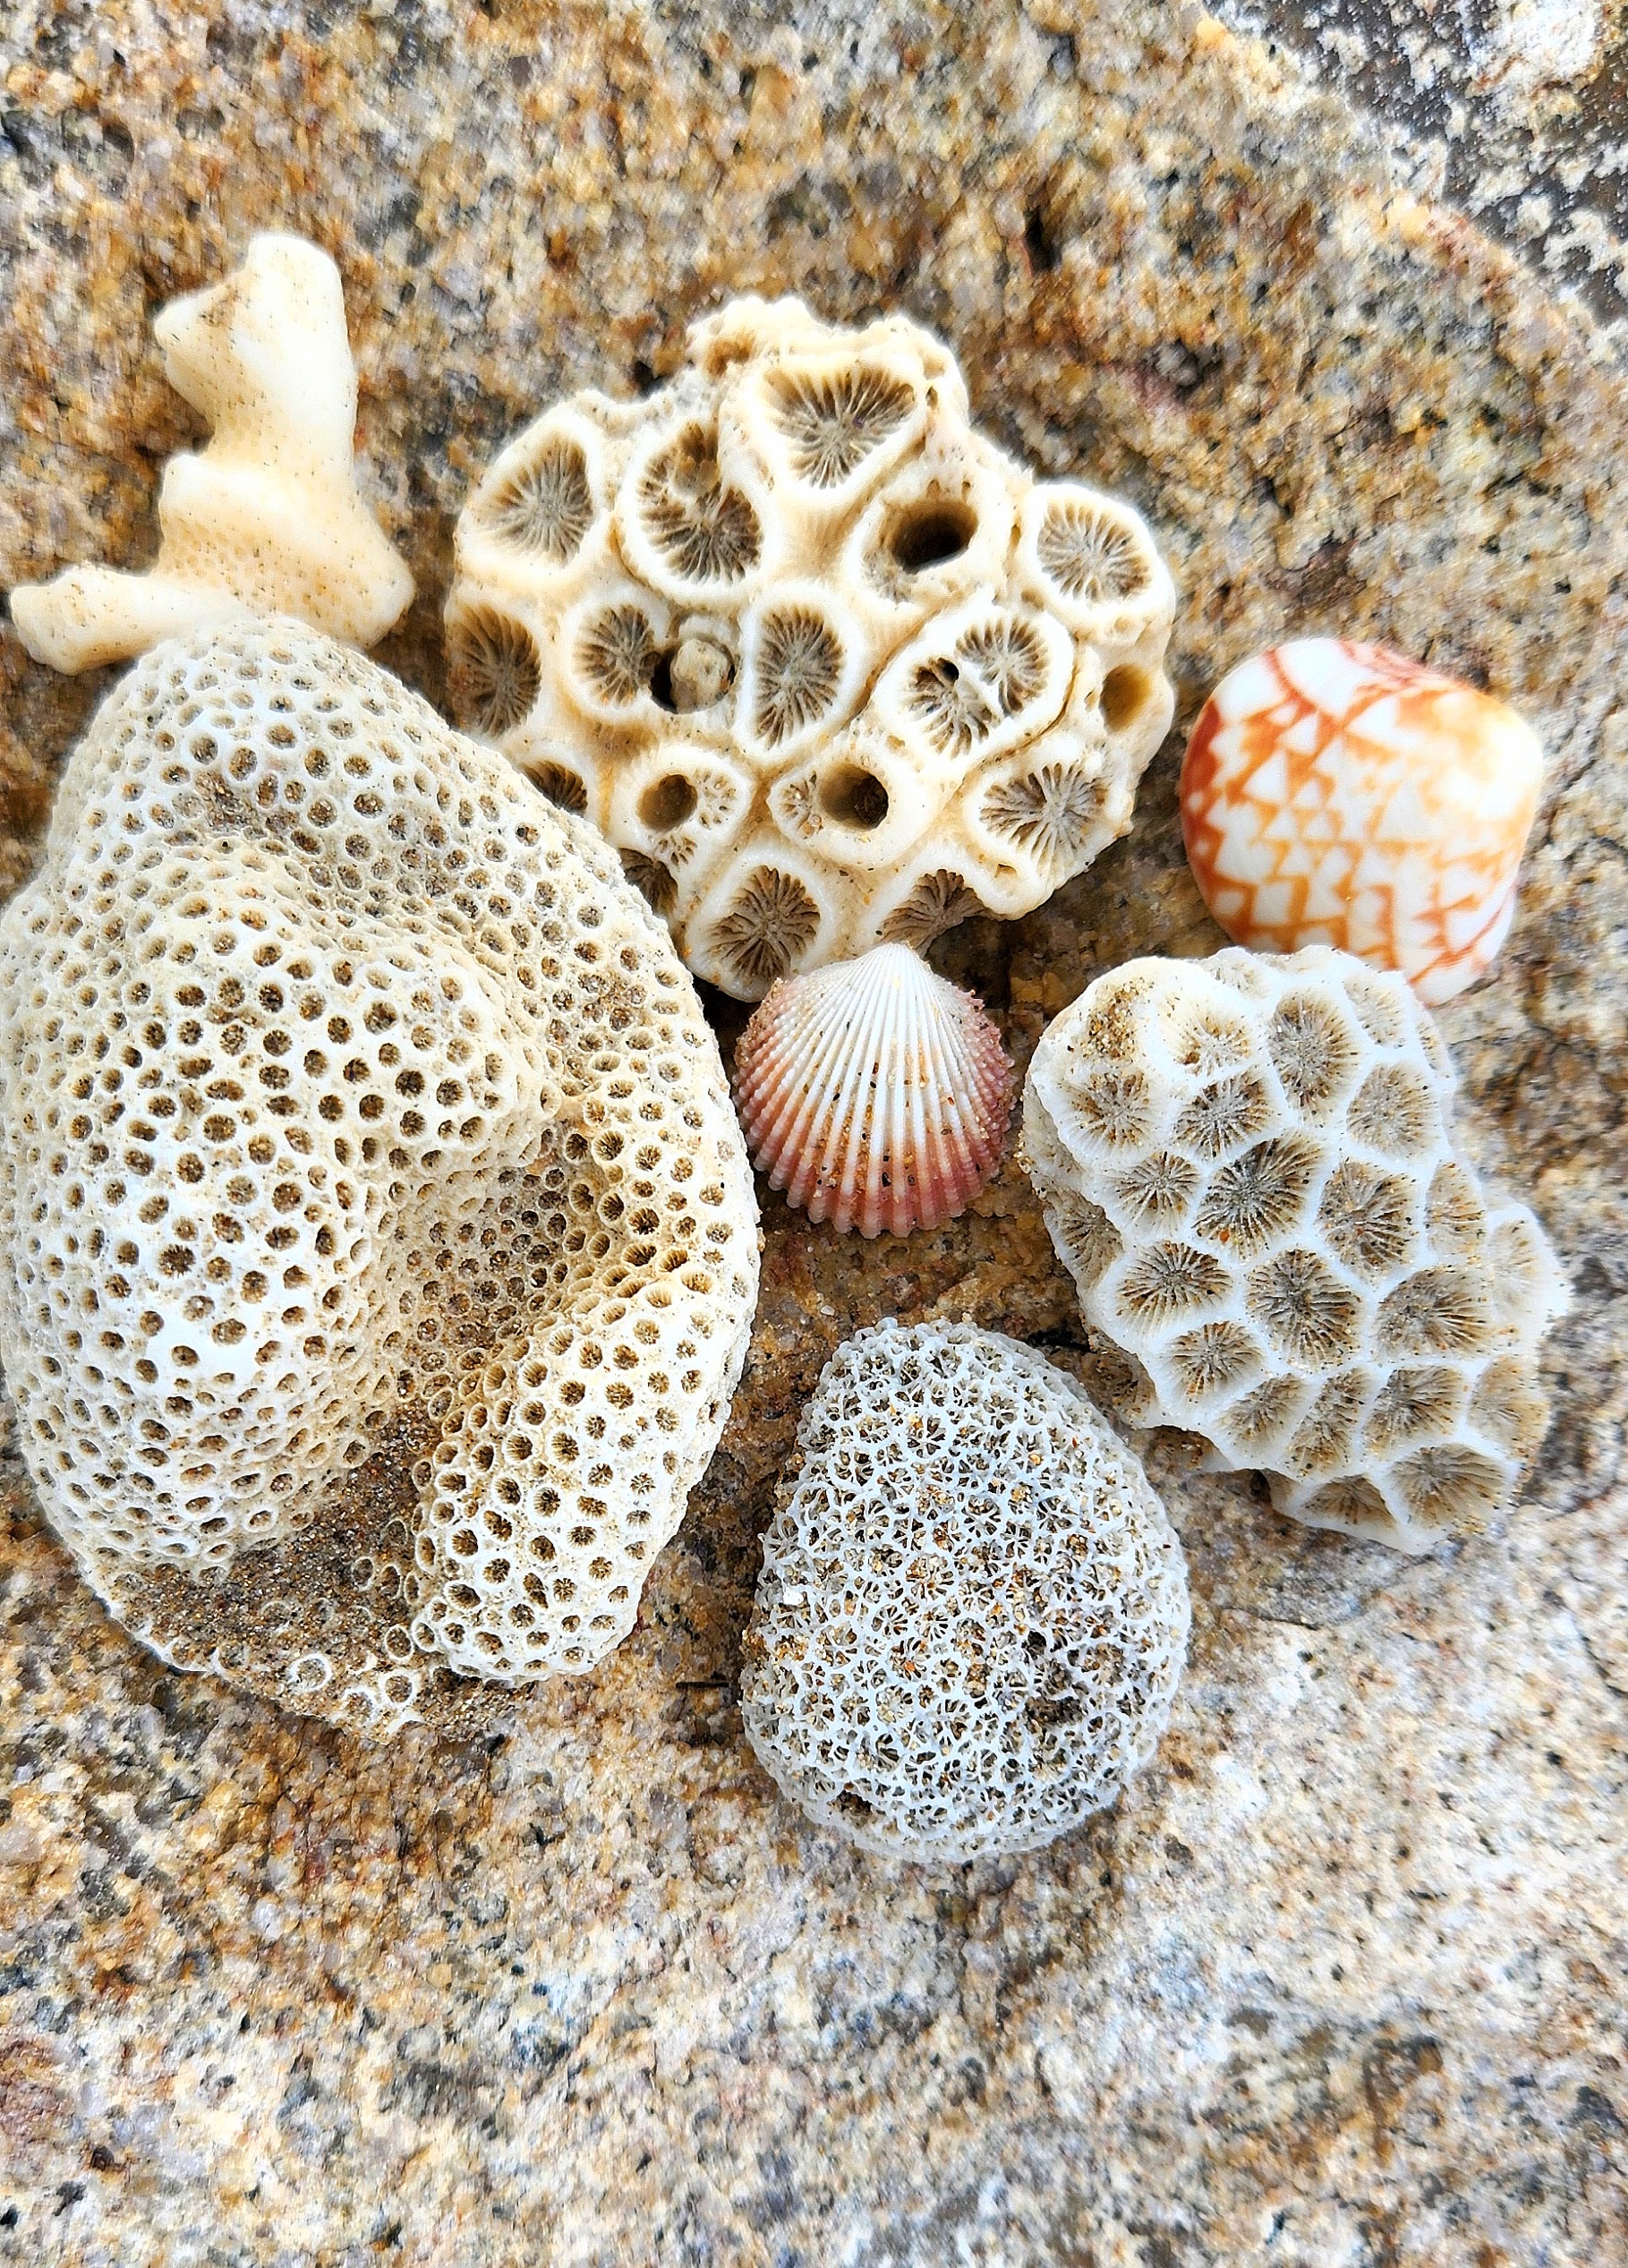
973,1612
829,668
1246,1165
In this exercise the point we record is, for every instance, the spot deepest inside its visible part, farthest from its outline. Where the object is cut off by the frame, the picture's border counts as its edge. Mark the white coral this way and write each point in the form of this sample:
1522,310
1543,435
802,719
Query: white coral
973,1612
939,679
266,518
1246,1165
367,1172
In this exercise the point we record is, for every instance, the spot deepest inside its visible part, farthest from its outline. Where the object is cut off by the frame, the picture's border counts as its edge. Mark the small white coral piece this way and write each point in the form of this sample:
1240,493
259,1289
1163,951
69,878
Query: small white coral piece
875,1093
376,1226
1337,794
264,519
973,1611
798,564
1246,1165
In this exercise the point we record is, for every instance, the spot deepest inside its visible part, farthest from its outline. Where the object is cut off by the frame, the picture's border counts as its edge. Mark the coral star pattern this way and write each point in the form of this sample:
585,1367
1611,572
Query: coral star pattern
1338,794
930,681
1246,1165
973,1612
266,518
380,1248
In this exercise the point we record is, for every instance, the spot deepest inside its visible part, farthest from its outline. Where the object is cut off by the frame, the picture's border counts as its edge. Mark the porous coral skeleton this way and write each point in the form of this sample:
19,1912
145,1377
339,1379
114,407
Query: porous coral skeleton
400,1263
913,637
1342,1305
972,1613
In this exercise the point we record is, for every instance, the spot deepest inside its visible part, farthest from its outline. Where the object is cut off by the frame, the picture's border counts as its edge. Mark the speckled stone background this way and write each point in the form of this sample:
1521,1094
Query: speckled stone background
1342,1979
1515,109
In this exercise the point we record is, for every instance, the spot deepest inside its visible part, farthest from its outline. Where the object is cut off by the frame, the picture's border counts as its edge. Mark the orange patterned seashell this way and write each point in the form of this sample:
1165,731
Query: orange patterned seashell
1342,795
876,1094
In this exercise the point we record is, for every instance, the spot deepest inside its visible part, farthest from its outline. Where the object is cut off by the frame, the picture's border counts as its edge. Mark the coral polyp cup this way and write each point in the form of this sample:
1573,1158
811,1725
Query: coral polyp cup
1336,794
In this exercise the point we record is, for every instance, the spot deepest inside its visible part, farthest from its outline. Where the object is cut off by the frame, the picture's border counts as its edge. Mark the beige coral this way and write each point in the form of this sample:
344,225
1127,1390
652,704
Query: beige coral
973,1611
1247,1164
827,666
380,1248
265,518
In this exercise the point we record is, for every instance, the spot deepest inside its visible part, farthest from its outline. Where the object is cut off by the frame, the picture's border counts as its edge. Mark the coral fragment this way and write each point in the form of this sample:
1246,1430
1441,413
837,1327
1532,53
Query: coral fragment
973,1612
1203,1139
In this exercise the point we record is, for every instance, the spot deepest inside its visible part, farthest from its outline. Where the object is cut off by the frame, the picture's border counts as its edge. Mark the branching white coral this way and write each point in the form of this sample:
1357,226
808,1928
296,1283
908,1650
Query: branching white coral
973,1612
380,1248
940,677
266,518
1246,1165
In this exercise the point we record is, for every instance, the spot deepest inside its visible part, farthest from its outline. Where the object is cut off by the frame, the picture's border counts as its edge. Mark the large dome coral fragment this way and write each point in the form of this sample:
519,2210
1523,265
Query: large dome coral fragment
1247,1164
829,668
266,518
973,1612
380,1246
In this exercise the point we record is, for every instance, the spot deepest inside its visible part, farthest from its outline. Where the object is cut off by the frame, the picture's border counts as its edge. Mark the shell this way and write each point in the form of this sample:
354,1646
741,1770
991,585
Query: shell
876,1094
1335,794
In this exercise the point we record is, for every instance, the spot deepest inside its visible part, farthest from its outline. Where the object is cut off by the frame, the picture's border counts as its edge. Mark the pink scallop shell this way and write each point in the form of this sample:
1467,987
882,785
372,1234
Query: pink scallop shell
876,1094
1337,794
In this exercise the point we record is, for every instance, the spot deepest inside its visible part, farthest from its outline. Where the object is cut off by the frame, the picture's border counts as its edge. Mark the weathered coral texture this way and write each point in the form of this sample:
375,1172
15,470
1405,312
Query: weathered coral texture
826,665
1337,794
357,1121
1246,1165
973,1611
1337,1981
266,519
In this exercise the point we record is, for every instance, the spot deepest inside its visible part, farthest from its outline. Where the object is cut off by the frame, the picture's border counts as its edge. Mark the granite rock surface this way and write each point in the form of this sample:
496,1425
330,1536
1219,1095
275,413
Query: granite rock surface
1342,1978
1511,108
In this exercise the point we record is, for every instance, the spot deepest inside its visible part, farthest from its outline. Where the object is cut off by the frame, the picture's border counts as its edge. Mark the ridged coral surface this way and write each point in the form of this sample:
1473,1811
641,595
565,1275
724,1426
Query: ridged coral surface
378,1246
1326,1983
1337,794
1248,1166
875,1093
973,1612
826,665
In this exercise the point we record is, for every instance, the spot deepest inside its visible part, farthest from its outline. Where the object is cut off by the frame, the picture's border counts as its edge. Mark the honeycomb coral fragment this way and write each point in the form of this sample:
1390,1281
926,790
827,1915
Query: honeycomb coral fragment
1246,1165
266,518
798,562
380,1247
1343,795
973,1611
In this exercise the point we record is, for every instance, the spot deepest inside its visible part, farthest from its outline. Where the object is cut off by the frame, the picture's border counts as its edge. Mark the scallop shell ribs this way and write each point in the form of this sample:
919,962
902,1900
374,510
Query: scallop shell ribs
876,1094
1246,1165
827,666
